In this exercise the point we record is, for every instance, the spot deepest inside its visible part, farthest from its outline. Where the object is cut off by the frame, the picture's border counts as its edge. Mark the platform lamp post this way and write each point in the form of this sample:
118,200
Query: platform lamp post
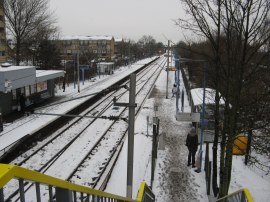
78,70
168,65
77,67
74,70
177,65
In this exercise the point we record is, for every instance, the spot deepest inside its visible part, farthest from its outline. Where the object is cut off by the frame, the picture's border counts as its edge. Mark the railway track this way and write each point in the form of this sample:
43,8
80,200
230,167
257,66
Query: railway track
93,146
84,98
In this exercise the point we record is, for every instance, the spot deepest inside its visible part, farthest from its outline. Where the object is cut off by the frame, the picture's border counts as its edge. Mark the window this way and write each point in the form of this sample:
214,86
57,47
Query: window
14,96
33,88
42,86
27,91
23,90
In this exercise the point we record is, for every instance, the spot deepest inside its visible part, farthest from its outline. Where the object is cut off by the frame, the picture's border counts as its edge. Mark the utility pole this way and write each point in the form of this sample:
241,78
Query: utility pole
78,71
177,65
167,83
74,69
131,119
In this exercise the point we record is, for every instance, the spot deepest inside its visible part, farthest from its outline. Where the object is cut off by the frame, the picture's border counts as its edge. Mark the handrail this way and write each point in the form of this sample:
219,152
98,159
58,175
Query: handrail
145,193
140,194
8,172
238,196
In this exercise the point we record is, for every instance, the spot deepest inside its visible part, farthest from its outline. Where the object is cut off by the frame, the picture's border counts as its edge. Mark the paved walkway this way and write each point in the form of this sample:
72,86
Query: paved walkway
174,180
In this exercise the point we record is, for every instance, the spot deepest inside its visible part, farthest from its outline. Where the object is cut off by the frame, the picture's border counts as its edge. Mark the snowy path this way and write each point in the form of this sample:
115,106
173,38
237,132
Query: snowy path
174,181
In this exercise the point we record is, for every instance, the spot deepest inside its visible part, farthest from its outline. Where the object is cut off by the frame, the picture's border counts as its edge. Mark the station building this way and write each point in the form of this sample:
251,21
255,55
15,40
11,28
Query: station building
34,85
105,67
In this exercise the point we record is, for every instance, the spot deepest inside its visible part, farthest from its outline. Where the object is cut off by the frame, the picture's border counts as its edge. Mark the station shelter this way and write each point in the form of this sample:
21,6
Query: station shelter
105,67
34,85
209,119
197,103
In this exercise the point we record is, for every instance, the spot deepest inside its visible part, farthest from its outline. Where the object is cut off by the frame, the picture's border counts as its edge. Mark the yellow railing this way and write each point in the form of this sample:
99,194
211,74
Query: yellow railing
9,172
145,193
238,196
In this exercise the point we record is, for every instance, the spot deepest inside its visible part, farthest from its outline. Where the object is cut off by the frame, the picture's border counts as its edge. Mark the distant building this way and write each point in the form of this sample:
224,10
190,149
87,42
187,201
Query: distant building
102,46
118,46
105,68
35,85
3,43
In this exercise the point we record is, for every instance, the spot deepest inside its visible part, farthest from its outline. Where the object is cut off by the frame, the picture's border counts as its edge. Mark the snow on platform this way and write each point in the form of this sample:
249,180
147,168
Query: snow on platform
28,125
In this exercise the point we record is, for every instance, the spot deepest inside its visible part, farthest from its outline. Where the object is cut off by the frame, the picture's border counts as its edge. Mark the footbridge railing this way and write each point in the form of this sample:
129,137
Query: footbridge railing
242,195
60,190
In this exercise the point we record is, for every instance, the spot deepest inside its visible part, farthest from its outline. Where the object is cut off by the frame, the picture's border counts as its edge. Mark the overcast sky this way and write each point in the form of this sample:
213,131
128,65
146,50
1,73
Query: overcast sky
129,19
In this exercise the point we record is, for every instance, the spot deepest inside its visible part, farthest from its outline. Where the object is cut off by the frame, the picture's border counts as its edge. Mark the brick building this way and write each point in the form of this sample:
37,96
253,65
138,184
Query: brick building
102,46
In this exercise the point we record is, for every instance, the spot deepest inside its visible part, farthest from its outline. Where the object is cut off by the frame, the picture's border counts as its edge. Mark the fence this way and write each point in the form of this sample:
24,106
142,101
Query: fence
61,190
242,195
154,148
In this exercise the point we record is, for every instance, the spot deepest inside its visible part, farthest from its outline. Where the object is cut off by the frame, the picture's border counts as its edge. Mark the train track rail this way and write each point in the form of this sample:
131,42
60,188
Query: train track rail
95,143
11,151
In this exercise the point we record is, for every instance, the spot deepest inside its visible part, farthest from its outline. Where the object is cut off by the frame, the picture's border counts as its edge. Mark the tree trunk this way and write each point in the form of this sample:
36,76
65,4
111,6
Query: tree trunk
248,146
18,52
215,143
217,107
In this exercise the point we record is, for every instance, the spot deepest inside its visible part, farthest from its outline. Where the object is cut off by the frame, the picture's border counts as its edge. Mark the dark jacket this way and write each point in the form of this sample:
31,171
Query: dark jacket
192,141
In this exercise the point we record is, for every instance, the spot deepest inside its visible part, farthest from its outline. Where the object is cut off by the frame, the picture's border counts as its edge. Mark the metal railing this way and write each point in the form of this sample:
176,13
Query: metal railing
61,190
242,195
145,194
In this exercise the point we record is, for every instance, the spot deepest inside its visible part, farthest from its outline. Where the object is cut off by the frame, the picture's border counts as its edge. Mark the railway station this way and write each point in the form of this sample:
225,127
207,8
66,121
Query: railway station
79,150
146,102
35,85
105,67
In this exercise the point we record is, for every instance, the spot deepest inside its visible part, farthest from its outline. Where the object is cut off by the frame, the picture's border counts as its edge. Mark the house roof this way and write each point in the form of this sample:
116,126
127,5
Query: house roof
87,38
20,76
44,75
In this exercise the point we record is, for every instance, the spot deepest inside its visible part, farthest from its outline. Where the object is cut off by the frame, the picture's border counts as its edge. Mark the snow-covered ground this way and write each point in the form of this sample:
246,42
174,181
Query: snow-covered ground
20,128
173,180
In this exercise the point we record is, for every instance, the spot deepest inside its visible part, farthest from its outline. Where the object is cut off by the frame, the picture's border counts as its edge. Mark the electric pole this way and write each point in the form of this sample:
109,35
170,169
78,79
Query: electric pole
78,70
131,119
167,84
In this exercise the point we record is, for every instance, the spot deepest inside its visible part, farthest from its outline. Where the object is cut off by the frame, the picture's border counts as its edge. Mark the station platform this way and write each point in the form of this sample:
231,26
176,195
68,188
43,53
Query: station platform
173,180
16,125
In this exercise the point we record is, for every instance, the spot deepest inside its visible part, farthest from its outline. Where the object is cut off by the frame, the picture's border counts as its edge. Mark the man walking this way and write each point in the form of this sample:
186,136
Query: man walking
192,145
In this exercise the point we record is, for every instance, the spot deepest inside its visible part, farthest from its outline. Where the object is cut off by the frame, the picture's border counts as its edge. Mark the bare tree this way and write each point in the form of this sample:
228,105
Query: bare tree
147,43
28,20
237,32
